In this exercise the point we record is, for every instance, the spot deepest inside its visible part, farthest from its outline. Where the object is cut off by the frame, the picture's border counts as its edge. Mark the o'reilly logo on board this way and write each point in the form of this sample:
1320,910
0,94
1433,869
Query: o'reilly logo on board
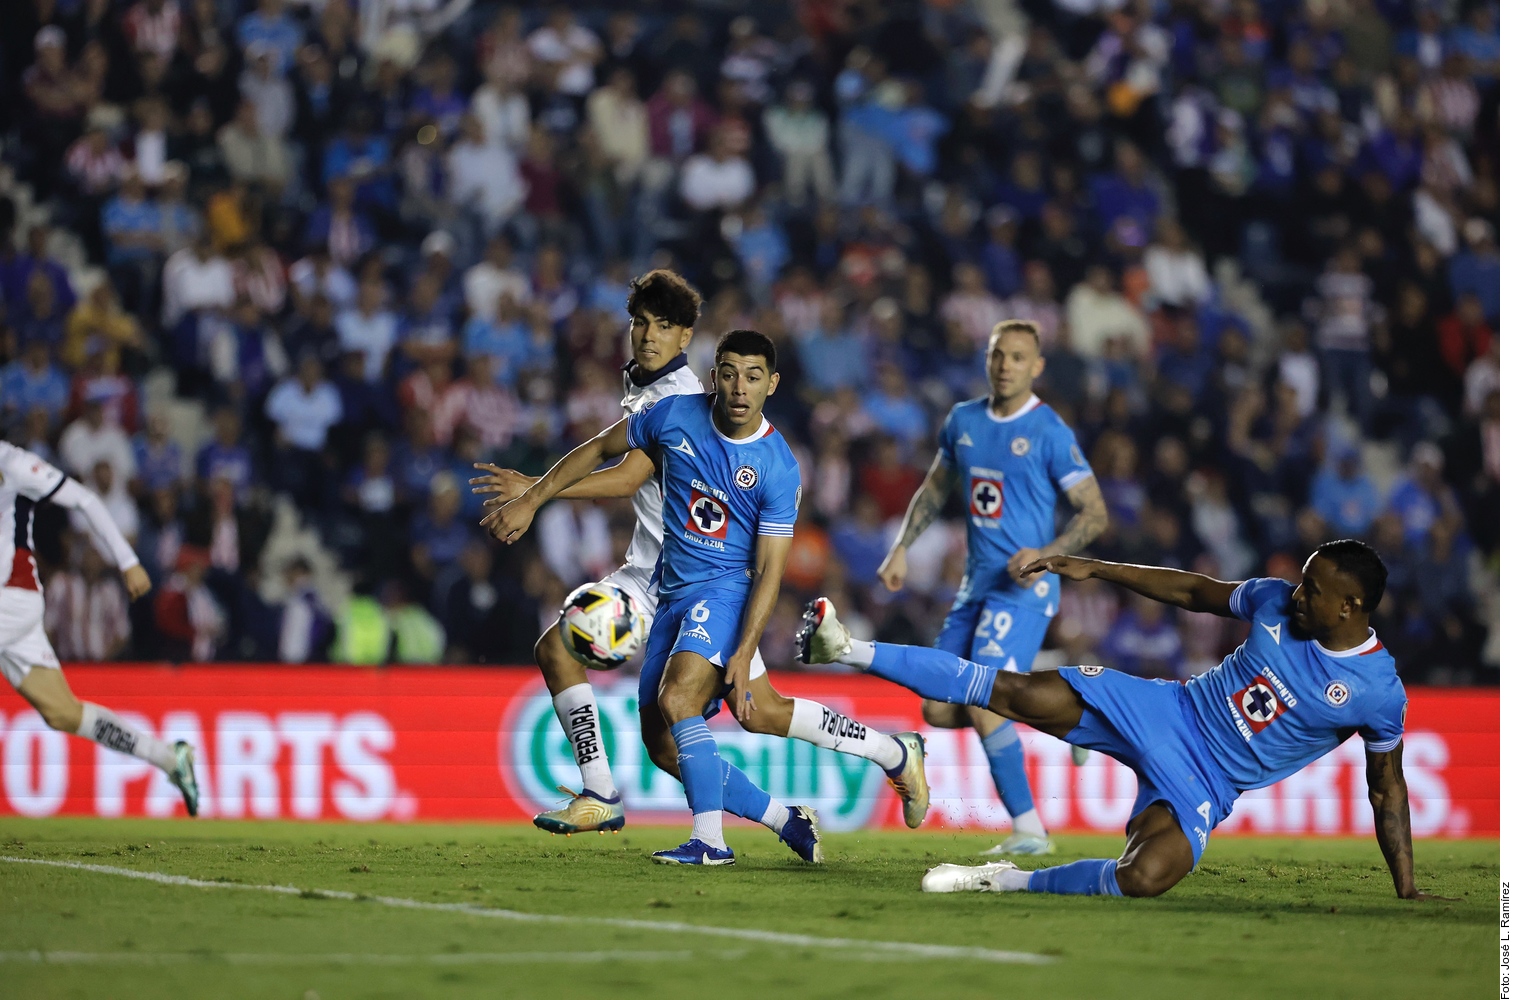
535,758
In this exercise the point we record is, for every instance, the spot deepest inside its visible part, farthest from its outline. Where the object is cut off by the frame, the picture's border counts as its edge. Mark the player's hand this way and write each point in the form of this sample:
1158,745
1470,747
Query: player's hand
509,523
892,572
137,581
1071,567
507,483
738,673
1018,567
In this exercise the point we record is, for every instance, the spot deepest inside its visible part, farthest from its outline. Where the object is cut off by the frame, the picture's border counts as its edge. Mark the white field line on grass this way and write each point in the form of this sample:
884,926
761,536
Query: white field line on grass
873,950
341,958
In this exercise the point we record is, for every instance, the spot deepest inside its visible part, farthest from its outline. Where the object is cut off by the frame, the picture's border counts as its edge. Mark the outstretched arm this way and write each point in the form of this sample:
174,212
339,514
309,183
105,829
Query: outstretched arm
72,495
1190,591
924,508
620,480
1087,524
1391,819
509,523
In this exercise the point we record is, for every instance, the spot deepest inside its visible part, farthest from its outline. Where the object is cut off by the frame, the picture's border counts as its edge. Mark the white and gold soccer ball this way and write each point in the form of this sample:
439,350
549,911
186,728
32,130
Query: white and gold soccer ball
602,626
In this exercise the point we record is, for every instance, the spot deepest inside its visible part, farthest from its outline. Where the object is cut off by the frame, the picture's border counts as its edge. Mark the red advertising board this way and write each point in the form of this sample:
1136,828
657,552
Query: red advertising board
477,744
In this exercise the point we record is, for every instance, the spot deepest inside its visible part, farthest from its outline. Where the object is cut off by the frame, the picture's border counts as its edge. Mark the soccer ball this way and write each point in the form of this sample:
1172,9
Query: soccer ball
602,627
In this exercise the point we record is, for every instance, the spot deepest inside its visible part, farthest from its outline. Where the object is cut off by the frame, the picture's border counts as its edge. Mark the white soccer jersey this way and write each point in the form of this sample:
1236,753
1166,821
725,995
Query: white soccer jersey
25,481
677,379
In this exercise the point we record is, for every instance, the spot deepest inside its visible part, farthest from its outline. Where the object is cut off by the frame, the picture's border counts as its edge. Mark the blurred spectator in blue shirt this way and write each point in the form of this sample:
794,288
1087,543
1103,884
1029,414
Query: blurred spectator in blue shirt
1344,495
833,355
160,463
269,26
33,381
369,328
1420,497
1144,641
895,410
225,456
502,336
861,541
1000,261
1476,269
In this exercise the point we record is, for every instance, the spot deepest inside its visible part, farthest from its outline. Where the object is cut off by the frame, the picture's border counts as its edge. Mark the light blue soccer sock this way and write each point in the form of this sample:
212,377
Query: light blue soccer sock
745,799
700,772
1092,877
1007,765
934,674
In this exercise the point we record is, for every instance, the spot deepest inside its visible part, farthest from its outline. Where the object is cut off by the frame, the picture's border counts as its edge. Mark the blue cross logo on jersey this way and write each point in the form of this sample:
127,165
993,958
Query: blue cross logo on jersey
708,514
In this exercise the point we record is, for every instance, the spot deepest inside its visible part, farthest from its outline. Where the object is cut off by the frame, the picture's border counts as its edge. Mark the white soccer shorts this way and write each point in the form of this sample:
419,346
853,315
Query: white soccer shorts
637,582
23,643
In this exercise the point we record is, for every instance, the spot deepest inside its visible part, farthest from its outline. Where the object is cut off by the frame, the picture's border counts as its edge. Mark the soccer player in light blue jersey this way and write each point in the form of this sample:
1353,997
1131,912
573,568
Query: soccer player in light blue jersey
1011,457
731,492
1310,675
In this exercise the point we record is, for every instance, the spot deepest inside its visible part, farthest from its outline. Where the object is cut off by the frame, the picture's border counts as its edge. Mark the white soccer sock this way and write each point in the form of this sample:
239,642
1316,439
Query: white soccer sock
1029,822
826,727
775,816
108,729
580,716
860,655
1010,880
707,828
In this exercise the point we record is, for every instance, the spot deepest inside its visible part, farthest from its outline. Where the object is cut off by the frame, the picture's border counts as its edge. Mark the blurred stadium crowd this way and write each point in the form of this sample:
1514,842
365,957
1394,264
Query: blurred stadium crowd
321,257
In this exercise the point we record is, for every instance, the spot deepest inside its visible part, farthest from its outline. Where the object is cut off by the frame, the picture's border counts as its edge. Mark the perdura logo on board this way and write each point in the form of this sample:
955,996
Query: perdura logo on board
535,758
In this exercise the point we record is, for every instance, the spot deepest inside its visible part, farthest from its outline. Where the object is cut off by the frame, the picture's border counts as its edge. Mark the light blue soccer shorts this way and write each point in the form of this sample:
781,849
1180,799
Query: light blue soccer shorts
708,623
1152,728
995,632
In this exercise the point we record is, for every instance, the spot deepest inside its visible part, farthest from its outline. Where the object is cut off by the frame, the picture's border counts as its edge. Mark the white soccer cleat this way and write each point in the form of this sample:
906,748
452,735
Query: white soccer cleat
823,638
965,878
1022,845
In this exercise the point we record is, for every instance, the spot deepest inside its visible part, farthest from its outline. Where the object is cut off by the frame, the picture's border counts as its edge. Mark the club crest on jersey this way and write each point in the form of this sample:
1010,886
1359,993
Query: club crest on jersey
1020,446
797,491
1077,455
1041,589
1337,693
1091,671
987,497
707,516
746,478
1259,704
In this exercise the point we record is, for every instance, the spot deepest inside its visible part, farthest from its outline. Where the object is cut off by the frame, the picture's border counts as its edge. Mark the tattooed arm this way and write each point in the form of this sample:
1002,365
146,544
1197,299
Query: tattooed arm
1087,524
1391,819
924,508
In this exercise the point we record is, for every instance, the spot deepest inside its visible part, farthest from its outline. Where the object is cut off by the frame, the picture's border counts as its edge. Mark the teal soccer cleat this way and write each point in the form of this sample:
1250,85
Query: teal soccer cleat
183,776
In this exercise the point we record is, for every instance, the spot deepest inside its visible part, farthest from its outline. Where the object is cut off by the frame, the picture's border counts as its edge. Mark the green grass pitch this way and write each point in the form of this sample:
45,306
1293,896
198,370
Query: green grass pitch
1261,918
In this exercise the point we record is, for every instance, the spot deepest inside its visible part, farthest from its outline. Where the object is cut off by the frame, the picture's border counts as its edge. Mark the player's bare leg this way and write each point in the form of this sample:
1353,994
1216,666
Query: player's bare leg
48,692
598,807
901,755
689,684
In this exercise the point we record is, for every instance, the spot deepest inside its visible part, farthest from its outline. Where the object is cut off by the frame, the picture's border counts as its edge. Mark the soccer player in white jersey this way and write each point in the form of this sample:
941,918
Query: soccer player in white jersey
663,309
1310,676
26,657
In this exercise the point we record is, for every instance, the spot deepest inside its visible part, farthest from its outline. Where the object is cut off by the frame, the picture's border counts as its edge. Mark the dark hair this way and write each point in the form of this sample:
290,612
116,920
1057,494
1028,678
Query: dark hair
749,344
1359,561
666,296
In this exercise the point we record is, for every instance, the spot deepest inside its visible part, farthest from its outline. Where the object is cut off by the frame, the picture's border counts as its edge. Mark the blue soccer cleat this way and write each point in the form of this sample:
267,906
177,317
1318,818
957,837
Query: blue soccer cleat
803,834
695,852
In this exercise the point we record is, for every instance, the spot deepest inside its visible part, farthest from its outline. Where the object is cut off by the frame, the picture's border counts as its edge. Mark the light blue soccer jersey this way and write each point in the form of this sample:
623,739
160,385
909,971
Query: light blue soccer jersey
1281,700
719,494
1012,469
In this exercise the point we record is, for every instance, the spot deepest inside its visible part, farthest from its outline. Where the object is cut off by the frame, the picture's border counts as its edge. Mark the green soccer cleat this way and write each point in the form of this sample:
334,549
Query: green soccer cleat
910,782
586,812
183,776
1022,844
